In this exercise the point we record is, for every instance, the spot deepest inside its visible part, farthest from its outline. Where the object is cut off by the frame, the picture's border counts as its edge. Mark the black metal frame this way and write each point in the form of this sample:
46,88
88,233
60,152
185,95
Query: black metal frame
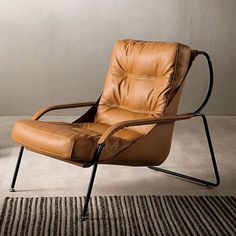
99,148
16,169
197,113
89,190
193,179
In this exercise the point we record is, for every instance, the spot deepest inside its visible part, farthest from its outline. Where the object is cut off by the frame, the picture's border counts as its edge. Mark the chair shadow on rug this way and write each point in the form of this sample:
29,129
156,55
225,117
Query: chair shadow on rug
132,121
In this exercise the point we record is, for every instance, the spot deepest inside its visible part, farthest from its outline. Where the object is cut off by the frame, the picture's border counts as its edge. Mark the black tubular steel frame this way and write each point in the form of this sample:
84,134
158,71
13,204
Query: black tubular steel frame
95,160
193,179
16,169
89,190
197,113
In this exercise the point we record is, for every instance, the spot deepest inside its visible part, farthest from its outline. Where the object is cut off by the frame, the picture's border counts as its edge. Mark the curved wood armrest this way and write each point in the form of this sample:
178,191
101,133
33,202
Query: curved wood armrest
44,110
164,119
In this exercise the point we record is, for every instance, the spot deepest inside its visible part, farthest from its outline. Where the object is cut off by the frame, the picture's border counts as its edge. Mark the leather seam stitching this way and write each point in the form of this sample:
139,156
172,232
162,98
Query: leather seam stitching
146,76
128,109
149,76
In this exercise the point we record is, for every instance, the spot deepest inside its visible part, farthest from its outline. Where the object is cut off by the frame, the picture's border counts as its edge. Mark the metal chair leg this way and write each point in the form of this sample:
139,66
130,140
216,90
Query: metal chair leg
16,169
96,159
193,179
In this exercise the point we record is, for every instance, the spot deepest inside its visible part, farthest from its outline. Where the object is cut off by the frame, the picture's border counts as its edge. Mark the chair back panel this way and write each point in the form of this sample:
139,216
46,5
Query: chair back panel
142,79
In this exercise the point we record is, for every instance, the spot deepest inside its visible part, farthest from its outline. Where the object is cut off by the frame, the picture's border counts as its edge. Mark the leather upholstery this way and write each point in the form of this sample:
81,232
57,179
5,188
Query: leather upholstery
144,81
76,141
153,148
141,81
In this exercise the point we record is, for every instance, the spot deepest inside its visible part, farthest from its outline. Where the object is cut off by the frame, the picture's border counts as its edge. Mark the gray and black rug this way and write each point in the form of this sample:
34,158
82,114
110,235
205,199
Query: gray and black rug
120,215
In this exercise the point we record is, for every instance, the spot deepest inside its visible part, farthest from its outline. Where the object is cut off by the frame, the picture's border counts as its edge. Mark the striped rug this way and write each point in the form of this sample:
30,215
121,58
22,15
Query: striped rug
120,215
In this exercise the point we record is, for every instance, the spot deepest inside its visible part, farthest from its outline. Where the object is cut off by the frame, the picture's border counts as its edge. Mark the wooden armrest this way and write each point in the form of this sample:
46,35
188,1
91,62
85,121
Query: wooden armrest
44,110
164,119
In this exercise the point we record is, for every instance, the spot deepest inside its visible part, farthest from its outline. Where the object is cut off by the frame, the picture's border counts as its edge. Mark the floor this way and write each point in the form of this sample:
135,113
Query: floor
43,176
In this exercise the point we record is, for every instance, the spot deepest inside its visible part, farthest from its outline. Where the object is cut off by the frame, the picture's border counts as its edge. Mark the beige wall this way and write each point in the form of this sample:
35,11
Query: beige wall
57,51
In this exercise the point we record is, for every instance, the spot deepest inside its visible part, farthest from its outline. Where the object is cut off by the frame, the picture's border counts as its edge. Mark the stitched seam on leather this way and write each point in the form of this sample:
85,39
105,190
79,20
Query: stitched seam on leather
146,76
130,109
39,149
149,76
173,77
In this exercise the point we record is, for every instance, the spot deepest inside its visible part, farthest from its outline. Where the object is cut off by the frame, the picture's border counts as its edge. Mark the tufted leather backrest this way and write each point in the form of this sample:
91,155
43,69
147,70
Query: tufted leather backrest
142,79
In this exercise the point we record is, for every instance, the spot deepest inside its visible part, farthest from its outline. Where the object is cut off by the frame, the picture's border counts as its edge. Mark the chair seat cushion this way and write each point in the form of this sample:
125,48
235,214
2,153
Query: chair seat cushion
70,141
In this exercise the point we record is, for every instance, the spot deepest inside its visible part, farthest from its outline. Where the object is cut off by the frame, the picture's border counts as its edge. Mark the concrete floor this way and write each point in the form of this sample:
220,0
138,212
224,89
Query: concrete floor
43,176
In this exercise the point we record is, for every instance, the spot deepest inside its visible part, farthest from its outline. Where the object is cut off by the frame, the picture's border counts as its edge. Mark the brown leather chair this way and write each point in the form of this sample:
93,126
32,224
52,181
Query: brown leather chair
132,122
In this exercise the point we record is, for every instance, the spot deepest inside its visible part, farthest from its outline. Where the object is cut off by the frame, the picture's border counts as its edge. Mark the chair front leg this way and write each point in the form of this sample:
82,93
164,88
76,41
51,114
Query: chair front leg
16,169
95,164
213,159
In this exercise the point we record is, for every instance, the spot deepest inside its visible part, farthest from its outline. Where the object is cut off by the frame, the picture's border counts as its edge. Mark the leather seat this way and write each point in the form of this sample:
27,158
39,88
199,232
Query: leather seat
73,142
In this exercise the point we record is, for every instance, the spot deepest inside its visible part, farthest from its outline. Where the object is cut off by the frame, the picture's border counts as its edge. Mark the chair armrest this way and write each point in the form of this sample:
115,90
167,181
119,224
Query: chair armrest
44,110
164,119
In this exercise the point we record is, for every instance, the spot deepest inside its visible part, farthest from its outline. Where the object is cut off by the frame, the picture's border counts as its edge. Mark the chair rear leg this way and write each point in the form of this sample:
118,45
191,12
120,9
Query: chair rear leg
16,170
193,179
95,164
213,158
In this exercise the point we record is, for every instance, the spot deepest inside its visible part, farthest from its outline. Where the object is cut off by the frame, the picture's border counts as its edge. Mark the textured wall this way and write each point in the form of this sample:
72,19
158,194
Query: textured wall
56,51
